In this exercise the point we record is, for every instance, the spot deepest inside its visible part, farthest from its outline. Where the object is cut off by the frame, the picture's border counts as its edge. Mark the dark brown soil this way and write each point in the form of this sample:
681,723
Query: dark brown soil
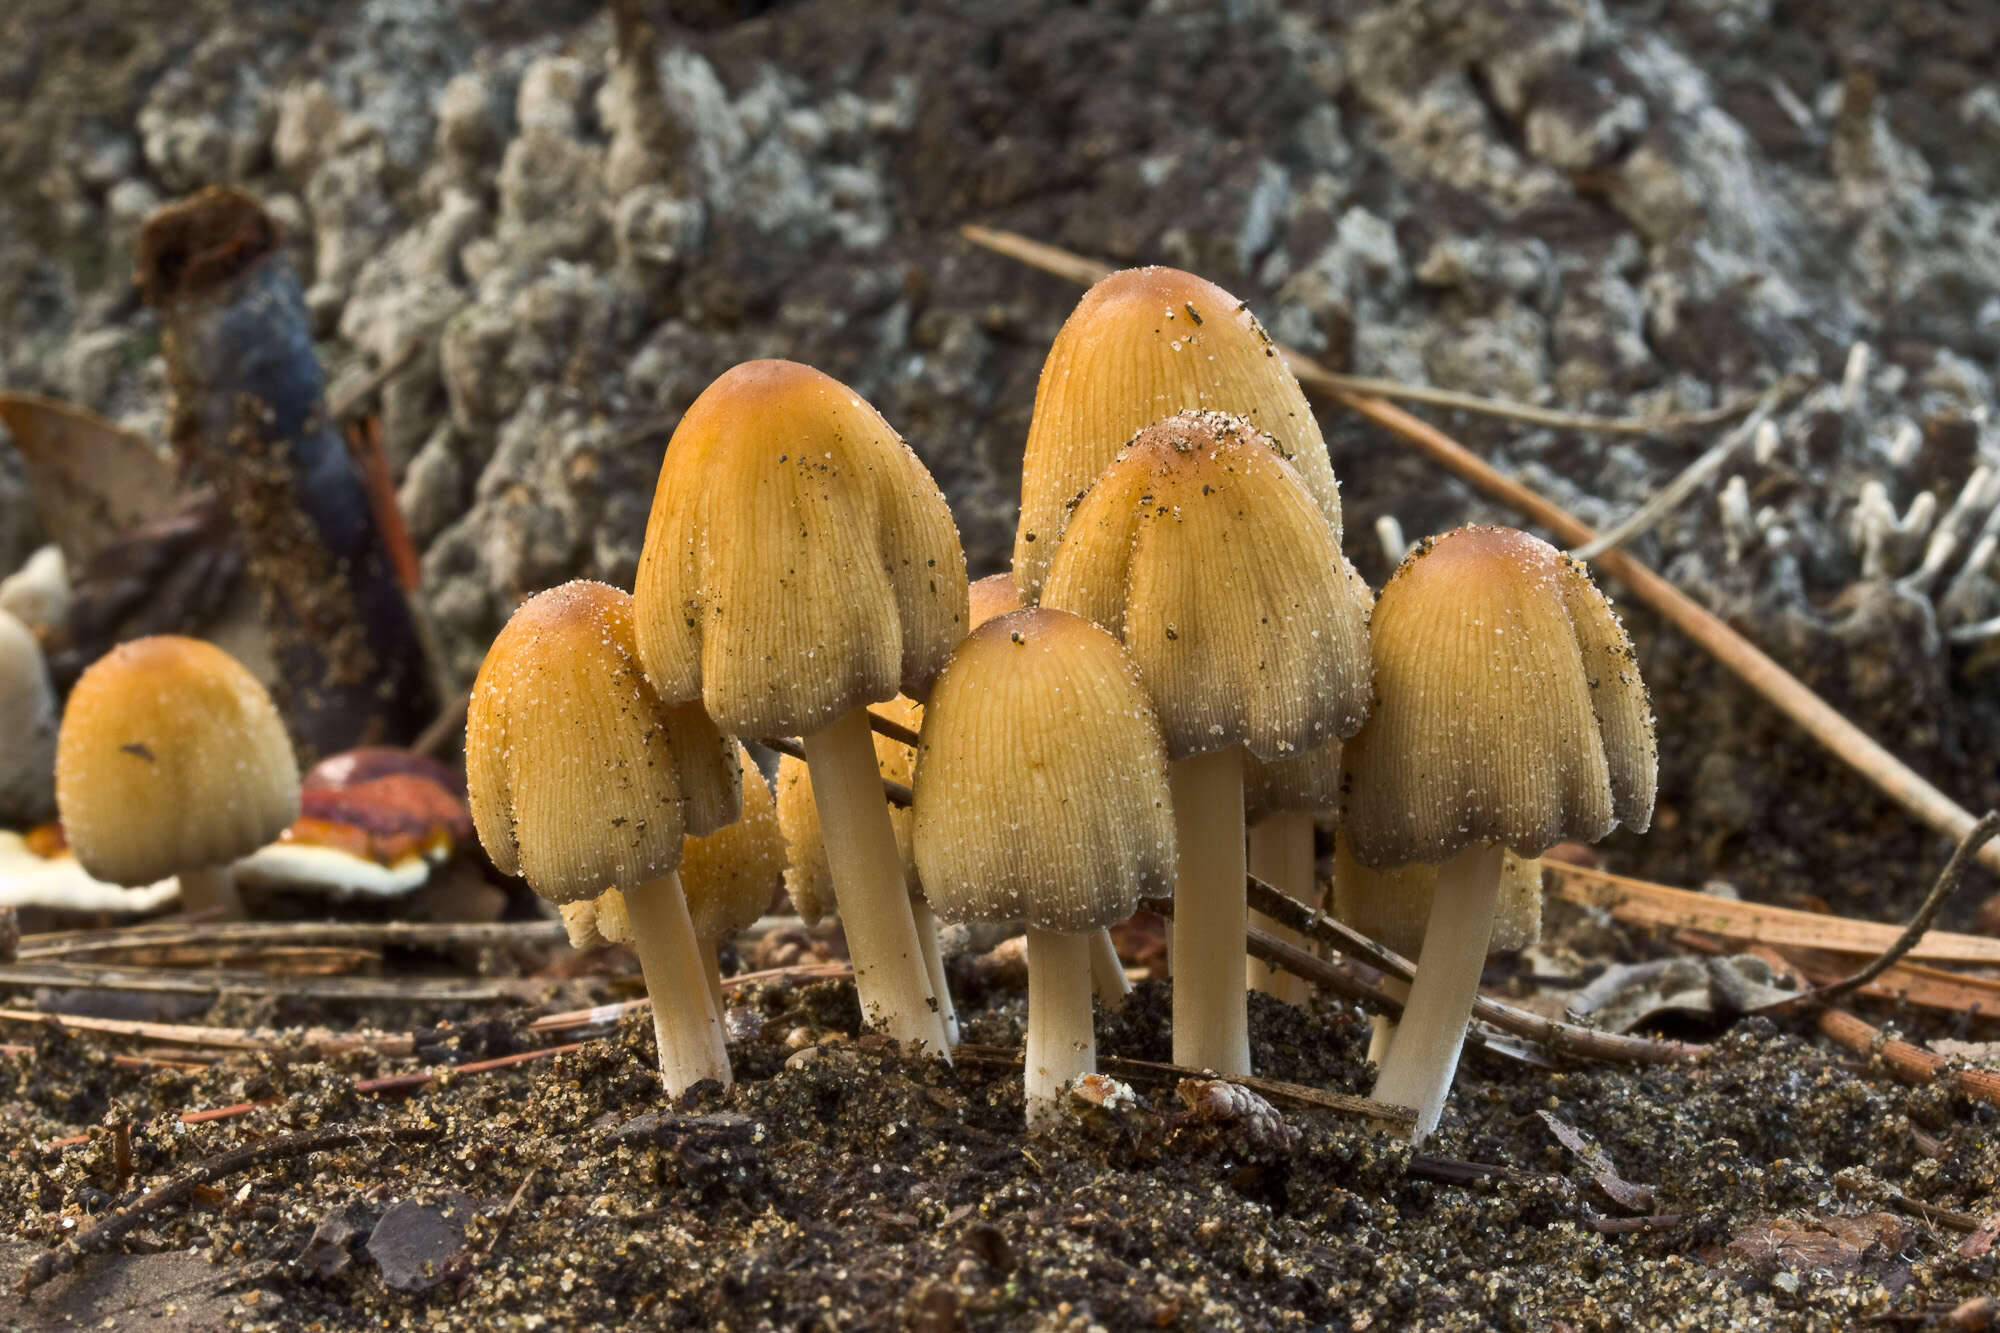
840,1186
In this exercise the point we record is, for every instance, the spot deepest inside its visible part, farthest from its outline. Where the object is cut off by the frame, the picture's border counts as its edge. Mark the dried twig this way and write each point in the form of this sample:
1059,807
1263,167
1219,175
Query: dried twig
1644,903
137,1212
1947,882
1671,496
1064,264
351,401
1557,1038
448,723
373,934
321,1040
1911,1064
1629,1226
895,792
423,990
1752,665
892,729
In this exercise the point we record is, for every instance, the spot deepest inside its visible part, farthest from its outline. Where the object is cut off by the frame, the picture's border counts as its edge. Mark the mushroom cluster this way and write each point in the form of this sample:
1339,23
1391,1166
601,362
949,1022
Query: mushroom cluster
1180,683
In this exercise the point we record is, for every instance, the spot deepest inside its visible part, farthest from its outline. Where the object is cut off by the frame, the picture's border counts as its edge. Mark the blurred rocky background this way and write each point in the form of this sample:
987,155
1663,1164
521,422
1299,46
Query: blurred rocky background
563,221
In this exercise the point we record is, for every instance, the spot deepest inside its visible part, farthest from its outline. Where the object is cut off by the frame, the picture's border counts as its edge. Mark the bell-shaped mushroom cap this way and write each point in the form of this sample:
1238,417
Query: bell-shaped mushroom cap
1301,782
1143,344
1508,708
730,875
1203,551
808,881
580,777
799,561
994,595
172,758
1392,907
1041,784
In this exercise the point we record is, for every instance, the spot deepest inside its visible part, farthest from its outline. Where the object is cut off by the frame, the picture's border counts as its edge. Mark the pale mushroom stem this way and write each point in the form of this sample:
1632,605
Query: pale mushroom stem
927,939
1211,1017
1281,854
1424,1057
1107,971
1381,1027
211,891
711,962
685,1021
889,972
1062,1045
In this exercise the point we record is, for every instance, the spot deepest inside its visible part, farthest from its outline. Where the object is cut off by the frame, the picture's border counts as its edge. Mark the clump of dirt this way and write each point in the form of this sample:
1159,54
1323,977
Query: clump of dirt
839,1185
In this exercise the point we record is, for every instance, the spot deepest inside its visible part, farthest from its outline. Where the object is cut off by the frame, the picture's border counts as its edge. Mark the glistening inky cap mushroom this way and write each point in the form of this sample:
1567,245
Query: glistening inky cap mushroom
799,565
1509,707
799,562
1509,716
172,760
1141,345
1041,796
581,779
1203,551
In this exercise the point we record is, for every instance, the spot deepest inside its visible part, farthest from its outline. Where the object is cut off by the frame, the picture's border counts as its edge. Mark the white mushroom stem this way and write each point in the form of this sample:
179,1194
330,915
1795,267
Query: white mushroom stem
1211,1016
212,892
1281,854
867,870
927,940
1062,1046
685,1022
1382,1028
1107,971
1424,1057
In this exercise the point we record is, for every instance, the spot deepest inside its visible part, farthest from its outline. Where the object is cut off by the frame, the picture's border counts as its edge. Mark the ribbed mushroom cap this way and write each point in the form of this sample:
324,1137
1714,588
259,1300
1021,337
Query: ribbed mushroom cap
994,595
1203,551
1143,344
580,777
1392,907
808,881
1041,783
1508,708
799,561
1301,782
171,758
730,875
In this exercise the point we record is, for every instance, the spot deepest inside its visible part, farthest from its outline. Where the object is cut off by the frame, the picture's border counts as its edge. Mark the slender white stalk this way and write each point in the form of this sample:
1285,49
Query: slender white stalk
1281,854
685,1021
1382,1028
1062,1046
1107,971
1211,1015
868,883
1425,1054
927,940
212,892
